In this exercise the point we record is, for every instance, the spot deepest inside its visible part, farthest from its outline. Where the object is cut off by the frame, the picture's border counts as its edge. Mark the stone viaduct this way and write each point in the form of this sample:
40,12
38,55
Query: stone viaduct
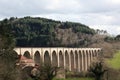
72,59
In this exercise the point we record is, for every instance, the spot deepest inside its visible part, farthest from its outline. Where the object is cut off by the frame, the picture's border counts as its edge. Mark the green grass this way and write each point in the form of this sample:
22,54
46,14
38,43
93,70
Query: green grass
76,79
115,61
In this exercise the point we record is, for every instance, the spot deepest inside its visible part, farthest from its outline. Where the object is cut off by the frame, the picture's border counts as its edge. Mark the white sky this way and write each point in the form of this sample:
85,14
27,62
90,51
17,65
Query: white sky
101,14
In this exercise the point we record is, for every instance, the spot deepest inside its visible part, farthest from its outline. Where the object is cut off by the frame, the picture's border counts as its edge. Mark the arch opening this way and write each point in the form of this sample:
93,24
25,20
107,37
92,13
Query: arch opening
27,55
47,60
72,60
90,56
87,58
37,58
84,60
80,60
93,53
66,60
61,59
54,59
76,60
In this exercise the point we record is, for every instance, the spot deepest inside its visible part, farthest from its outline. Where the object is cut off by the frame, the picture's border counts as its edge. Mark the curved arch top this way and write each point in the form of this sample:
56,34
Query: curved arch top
78,59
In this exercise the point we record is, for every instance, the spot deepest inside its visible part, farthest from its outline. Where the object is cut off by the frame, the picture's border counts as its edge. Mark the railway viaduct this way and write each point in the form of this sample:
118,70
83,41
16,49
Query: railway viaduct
78,59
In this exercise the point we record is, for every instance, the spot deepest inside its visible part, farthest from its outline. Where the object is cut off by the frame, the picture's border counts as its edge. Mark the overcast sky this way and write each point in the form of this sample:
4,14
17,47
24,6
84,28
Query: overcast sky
101,14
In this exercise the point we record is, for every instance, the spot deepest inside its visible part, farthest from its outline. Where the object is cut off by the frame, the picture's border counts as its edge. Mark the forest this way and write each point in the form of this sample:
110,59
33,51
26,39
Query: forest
41,32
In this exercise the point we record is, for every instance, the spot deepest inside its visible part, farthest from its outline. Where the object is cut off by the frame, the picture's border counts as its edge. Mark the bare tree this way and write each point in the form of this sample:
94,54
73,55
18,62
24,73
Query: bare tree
98,70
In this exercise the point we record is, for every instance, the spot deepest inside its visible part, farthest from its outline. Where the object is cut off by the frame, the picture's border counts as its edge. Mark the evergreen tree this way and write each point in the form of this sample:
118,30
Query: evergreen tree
7,56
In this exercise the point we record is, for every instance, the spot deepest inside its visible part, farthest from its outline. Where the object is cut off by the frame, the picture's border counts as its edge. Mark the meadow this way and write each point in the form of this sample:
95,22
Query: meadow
115,61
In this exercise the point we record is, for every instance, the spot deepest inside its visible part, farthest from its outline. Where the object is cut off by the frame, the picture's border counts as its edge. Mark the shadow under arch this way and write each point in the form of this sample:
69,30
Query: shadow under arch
84,60
47,59
27,55
61,60
72,60
90,54
80,60
54,59
87,58
66,60
76,60
37,58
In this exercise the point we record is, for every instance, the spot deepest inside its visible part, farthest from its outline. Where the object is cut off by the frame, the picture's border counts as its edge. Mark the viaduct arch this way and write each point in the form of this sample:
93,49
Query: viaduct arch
72,59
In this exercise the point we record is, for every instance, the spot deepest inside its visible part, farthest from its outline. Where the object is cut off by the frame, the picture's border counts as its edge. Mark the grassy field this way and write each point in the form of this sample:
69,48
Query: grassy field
115,61
76,79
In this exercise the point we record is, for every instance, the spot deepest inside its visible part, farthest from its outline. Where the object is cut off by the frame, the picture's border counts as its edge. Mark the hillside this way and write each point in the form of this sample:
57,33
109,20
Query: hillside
41,32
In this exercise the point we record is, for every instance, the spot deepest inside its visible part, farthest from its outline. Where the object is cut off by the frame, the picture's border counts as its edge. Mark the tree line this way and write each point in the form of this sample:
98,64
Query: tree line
41,32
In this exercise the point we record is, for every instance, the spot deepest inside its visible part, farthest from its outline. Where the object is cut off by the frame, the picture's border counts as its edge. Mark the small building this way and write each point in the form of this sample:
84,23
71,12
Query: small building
23,62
